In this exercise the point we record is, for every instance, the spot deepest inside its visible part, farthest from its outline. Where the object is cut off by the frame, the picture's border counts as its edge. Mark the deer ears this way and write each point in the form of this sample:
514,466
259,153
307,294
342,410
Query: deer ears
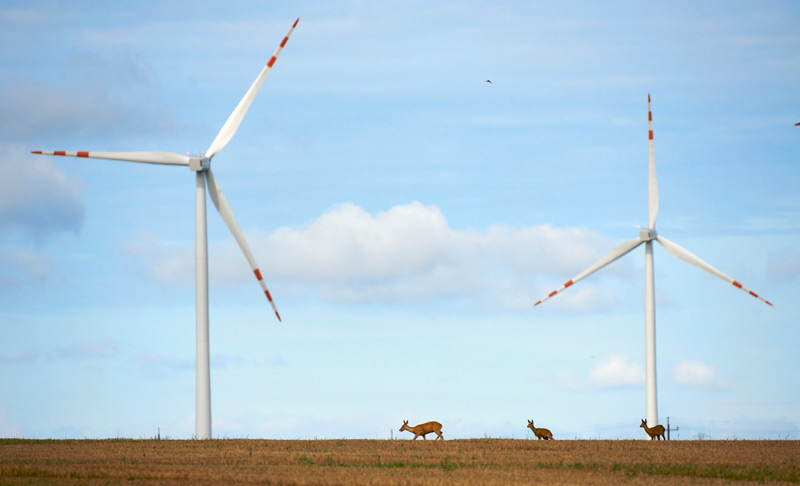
644,422
405,422
530,422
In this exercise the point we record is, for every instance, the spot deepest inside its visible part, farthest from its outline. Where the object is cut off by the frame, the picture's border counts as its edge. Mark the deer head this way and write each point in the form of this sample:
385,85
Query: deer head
405,426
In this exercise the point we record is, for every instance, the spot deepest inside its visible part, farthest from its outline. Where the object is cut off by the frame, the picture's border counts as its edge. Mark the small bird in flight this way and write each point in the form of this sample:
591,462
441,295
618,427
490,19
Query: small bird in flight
490,82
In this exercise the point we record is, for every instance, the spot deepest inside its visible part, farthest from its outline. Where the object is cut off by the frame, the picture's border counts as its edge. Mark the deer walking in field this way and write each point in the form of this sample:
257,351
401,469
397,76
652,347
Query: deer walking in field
423,429
539,432
653,432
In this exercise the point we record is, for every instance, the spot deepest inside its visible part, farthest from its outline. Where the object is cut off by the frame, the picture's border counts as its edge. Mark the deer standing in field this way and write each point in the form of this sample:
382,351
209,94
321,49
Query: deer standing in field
540,433
653,432
423,429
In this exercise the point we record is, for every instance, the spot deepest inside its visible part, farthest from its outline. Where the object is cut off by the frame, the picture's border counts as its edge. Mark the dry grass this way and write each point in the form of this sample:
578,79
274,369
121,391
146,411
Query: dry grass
478,461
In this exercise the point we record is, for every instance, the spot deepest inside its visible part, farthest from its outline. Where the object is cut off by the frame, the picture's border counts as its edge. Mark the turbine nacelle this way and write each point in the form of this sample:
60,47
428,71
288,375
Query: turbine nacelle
647,234
198,163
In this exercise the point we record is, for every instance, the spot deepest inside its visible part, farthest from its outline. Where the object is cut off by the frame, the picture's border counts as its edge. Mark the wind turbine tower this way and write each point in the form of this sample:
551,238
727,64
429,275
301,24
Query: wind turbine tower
201,166
647,236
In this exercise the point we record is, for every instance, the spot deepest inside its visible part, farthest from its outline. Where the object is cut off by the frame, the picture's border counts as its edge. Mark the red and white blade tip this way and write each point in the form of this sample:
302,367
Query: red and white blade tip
740,286
61,152
282,44
566,284
257,273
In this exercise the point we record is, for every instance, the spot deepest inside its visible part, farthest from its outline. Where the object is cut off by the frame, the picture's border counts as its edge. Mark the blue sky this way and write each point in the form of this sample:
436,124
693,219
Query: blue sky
405,214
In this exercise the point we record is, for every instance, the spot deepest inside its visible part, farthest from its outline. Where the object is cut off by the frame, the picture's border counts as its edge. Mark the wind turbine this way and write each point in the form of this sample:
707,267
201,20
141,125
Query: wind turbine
647,236
201,165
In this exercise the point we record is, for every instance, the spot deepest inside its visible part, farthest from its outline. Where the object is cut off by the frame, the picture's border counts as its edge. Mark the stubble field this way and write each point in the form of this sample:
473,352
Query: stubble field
474,461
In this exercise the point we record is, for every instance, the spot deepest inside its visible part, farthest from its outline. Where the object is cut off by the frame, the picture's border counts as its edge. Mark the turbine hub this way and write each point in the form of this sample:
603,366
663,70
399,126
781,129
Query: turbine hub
647,234
198,163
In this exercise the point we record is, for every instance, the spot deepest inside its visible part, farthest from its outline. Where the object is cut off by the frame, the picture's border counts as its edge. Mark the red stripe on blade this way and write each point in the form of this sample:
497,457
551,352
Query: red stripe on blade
753,294
568,284
258,274
737,284
283,42
295,22
651,135
537,303
553,293
269,297
83,154
650,115
59,152
279,316
37,152
768,302
272,61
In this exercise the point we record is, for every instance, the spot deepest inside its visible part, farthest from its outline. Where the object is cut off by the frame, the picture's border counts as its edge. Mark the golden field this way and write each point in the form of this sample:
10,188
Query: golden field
390,462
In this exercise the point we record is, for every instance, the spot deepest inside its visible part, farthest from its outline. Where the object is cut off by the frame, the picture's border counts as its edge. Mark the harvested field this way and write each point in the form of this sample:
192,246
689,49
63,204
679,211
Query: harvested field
475,461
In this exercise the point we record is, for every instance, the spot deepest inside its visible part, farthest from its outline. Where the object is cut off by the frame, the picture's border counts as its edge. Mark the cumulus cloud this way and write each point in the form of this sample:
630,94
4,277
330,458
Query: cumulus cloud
37,201
696,374
94,96
22,267
407,252
616,371
36,197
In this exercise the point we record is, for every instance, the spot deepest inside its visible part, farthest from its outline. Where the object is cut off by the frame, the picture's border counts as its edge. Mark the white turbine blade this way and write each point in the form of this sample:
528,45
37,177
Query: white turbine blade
164,158
224,209
235,119
652,185
614,254
688,257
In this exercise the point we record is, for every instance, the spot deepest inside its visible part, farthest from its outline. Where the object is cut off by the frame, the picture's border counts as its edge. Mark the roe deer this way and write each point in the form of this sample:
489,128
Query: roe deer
653,432
540,433
423,429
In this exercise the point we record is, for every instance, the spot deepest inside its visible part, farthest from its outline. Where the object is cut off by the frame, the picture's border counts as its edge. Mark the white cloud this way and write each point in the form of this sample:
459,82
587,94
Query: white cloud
410,251
696,374
612,372
616,371
36,197
407,252
22,267
97,96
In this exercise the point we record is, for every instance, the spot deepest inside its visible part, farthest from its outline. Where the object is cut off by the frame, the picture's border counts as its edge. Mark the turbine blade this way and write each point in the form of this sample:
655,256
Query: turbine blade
688,257
614,254
652,184
224,209
235,119
164,158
